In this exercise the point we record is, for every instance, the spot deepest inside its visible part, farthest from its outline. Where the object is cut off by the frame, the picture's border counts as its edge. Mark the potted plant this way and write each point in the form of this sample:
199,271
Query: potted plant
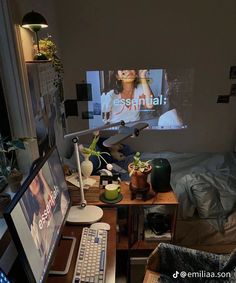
87,165
138,171
8,167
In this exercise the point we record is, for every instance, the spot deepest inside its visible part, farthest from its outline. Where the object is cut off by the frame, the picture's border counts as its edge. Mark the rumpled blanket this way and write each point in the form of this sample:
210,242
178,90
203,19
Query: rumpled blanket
205,183
183,265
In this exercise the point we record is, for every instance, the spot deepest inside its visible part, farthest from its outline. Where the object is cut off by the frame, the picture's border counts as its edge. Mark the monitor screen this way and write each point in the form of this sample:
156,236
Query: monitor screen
37,214
161,97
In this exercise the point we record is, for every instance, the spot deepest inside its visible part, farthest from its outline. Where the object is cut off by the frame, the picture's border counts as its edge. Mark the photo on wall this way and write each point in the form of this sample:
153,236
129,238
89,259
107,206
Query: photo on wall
45,110
233,90
71,108
232,72
87,115
97,108
84,92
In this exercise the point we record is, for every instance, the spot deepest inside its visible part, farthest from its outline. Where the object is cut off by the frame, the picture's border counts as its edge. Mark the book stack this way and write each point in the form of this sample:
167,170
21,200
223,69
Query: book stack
149,235
140,228
91,189
137,224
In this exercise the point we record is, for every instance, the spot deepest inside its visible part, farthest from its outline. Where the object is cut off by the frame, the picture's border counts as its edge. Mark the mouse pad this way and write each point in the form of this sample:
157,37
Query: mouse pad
103,199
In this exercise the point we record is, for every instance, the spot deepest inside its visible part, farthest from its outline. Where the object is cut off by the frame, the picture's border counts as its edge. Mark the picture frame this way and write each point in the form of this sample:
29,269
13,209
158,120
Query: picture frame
87,115
233,90
84,92
232,73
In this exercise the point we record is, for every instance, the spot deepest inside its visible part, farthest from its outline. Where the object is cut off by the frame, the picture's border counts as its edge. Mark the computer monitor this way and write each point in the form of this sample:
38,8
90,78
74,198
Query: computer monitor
37,215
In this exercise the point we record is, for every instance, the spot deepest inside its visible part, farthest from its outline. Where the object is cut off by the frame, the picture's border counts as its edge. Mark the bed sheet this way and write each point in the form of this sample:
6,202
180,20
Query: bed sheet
203,182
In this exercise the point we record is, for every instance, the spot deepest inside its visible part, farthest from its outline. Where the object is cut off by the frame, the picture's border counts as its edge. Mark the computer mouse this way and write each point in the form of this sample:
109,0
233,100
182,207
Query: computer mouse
100,226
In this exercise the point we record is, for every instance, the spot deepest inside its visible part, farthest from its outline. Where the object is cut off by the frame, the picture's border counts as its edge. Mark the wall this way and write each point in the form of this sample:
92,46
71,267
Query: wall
198,34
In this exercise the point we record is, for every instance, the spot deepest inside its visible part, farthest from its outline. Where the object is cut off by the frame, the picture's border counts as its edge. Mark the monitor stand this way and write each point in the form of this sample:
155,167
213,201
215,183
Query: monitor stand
62,268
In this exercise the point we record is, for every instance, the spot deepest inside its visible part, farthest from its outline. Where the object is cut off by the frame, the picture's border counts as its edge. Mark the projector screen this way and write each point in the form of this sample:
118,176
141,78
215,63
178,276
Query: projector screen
161,97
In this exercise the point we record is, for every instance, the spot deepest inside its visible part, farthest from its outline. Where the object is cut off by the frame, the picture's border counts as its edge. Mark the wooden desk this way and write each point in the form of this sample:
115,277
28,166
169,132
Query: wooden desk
168,198
129,241
75,231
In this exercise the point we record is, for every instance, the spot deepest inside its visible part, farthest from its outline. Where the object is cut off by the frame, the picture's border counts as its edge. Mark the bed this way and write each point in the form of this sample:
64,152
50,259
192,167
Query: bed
205,185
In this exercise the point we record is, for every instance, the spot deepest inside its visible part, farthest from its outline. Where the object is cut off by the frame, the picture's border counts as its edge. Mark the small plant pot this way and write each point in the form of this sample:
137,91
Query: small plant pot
14,180
138,178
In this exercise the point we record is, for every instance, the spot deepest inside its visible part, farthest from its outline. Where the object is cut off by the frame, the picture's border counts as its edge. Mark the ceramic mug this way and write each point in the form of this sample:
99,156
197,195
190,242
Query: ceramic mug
112,191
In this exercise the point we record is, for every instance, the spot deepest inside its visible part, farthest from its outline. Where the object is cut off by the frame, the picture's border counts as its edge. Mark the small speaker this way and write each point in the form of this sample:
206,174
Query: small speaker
160,175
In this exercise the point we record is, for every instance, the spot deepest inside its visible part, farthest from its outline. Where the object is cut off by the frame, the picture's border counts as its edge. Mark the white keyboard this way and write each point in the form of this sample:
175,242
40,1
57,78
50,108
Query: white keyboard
91,260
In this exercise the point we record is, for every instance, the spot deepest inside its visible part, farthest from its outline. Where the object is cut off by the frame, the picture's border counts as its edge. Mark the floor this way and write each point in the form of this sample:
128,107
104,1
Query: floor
121,267
136,268
121,280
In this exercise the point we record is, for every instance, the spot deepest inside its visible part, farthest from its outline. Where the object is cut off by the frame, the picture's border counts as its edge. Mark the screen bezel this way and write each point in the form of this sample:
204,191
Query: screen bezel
7,215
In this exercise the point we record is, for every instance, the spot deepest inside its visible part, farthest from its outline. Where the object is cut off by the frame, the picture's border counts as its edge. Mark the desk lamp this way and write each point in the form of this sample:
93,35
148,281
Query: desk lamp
35,22
83,213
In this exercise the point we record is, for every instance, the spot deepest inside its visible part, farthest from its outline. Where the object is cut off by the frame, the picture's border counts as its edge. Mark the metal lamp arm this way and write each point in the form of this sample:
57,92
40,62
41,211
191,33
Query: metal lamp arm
85,132
75,141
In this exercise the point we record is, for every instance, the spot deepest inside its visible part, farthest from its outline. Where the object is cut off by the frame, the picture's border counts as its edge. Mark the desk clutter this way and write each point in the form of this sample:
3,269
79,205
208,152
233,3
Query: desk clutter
74,180
109,179
91,188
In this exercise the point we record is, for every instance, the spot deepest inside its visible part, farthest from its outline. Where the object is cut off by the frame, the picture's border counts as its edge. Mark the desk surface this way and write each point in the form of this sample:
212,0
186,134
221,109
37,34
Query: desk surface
75,231
159,198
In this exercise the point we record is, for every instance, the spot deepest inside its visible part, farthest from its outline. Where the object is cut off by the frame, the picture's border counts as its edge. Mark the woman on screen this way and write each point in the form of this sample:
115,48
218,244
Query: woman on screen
40,204
129,92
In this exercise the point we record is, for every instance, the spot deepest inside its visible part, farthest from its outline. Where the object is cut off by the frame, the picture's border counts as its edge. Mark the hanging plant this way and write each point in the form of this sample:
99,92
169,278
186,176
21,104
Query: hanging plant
49,49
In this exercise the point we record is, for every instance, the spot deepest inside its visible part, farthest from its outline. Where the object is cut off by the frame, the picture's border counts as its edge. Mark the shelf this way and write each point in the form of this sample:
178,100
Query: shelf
144,245
38,61
167,198
122,243
131,221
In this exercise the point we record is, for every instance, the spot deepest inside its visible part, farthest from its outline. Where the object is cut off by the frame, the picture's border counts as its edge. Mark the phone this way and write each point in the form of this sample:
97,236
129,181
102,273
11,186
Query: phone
3,277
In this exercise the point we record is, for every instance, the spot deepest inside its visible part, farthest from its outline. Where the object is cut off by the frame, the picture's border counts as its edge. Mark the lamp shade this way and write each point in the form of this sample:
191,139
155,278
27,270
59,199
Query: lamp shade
34,21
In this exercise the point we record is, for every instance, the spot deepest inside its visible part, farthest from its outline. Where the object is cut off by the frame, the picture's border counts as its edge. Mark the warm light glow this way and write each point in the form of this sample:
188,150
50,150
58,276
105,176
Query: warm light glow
32,26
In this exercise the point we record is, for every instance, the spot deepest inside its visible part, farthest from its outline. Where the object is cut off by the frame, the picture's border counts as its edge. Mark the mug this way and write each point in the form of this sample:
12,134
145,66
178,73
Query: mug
112,191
